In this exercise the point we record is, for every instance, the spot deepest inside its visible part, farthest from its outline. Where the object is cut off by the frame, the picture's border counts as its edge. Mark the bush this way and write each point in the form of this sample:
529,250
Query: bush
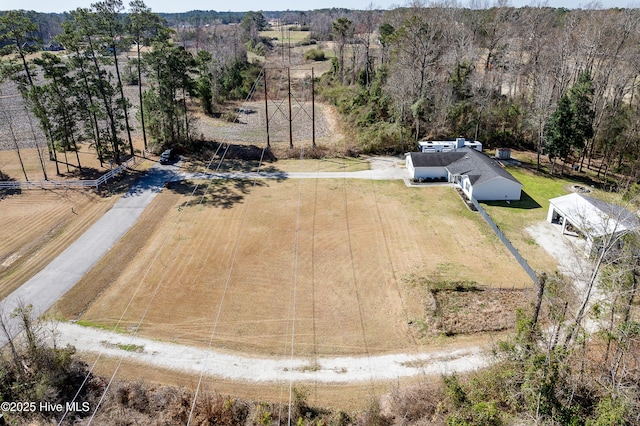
33,370
314,55
307,41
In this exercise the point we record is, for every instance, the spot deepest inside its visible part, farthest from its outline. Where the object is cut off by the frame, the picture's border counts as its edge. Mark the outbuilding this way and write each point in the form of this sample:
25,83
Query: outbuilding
593,219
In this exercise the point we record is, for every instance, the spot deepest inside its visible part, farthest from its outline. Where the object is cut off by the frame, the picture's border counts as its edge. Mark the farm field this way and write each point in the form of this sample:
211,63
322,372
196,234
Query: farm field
38,225
322,263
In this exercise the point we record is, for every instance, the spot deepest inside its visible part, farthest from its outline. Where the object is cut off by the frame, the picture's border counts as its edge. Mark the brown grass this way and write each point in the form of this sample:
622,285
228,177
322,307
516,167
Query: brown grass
478,311
246,249
39,224
357,242
348,397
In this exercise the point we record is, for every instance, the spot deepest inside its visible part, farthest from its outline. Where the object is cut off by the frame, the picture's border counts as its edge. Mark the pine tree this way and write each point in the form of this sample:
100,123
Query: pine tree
571,124
144,27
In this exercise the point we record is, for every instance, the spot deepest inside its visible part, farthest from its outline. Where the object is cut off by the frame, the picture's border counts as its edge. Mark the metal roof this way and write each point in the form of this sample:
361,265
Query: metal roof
435,159
595,217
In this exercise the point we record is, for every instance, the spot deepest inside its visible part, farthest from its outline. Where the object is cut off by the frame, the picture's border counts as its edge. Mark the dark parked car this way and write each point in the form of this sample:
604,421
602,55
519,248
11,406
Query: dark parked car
166,156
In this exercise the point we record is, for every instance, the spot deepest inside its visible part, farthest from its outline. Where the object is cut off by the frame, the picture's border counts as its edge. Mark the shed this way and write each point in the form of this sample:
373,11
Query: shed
592,218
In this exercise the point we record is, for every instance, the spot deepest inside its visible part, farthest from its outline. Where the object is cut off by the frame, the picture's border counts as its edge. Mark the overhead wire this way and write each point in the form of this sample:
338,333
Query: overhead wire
173,257
117,325
292,304
121,318
394,275
150,267
354,277
223,297
294,285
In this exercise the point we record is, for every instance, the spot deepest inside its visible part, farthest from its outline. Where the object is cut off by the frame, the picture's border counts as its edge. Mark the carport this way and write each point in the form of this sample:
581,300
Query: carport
590,218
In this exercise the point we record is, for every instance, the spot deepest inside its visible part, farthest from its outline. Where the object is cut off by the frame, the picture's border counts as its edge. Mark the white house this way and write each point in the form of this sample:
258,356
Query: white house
591,218
478,176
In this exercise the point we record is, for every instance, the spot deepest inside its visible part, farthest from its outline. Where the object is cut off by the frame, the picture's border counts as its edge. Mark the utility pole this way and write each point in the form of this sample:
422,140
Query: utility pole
266,107
290,118
313,110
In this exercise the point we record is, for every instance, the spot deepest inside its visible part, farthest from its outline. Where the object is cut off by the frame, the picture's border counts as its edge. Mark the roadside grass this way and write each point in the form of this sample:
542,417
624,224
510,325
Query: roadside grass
330,164
128,347
131,348
101,326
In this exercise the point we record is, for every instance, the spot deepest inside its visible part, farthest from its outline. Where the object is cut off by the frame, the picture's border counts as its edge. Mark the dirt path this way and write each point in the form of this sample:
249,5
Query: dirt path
568,251
87,251
254,369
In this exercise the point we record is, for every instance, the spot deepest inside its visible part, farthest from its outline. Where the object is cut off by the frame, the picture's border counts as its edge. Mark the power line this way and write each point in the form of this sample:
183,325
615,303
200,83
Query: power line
355,285
151,265
222,298
294,290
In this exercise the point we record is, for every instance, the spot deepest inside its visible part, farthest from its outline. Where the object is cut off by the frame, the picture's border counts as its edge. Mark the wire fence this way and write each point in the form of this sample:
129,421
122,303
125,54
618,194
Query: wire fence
521,260
69,184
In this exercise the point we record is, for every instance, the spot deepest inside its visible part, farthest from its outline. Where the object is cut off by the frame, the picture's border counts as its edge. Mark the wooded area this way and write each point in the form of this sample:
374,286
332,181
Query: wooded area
497,75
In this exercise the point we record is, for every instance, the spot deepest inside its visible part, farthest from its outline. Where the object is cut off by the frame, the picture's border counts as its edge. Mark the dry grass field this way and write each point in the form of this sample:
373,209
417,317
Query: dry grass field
324,260
328,265
40,224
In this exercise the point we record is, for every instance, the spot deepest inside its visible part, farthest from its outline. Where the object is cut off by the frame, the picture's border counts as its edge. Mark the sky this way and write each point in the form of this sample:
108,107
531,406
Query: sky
172,6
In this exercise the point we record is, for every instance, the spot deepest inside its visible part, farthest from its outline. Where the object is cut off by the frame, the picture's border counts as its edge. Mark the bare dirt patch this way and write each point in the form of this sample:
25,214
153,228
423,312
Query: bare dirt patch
321,260
246,123
476,310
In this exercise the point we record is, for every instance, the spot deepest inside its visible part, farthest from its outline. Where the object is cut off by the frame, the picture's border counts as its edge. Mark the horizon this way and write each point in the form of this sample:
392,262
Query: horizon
166,6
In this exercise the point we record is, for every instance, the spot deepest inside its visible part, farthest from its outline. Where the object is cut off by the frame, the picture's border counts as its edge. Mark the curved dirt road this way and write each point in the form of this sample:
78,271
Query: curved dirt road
261,369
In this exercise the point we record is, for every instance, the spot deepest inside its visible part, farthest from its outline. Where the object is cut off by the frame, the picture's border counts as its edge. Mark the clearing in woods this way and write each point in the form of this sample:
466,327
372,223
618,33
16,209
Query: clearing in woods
329,261
352,254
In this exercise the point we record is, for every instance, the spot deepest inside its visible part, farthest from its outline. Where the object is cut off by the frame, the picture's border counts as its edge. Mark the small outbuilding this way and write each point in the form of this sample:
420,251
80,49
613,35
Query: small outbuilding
591,218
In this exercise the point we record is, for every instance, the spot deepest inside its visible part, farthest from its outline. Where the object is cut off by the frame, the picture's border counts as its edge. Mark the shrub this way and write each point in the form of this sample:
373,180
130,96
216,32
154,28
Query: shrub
314,55
34,370
307,41
418,403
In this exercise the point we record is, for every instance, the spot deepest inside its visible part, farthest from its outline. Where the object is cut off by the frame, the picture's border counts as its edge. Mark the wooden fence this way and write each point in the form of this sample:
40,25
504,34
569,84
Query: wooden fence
69,184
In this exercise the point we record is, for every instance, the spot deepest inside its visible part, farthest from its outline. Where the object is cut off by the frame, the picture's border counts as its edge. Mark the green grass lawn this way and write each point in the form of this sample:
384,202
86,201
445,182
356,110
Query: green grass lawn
537,190
515,217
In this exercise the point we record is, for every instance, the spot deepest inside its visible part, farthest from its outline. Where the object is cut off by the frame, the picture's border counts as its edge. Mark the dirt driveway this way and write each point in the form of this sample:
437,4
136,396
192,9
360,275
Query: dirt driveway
566,249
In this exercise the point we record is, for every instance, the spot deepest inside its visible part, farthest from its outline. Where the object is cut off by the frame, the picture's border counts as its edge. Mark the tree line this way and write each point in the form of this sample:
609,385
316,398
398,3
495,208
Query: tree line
78,95
498,75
